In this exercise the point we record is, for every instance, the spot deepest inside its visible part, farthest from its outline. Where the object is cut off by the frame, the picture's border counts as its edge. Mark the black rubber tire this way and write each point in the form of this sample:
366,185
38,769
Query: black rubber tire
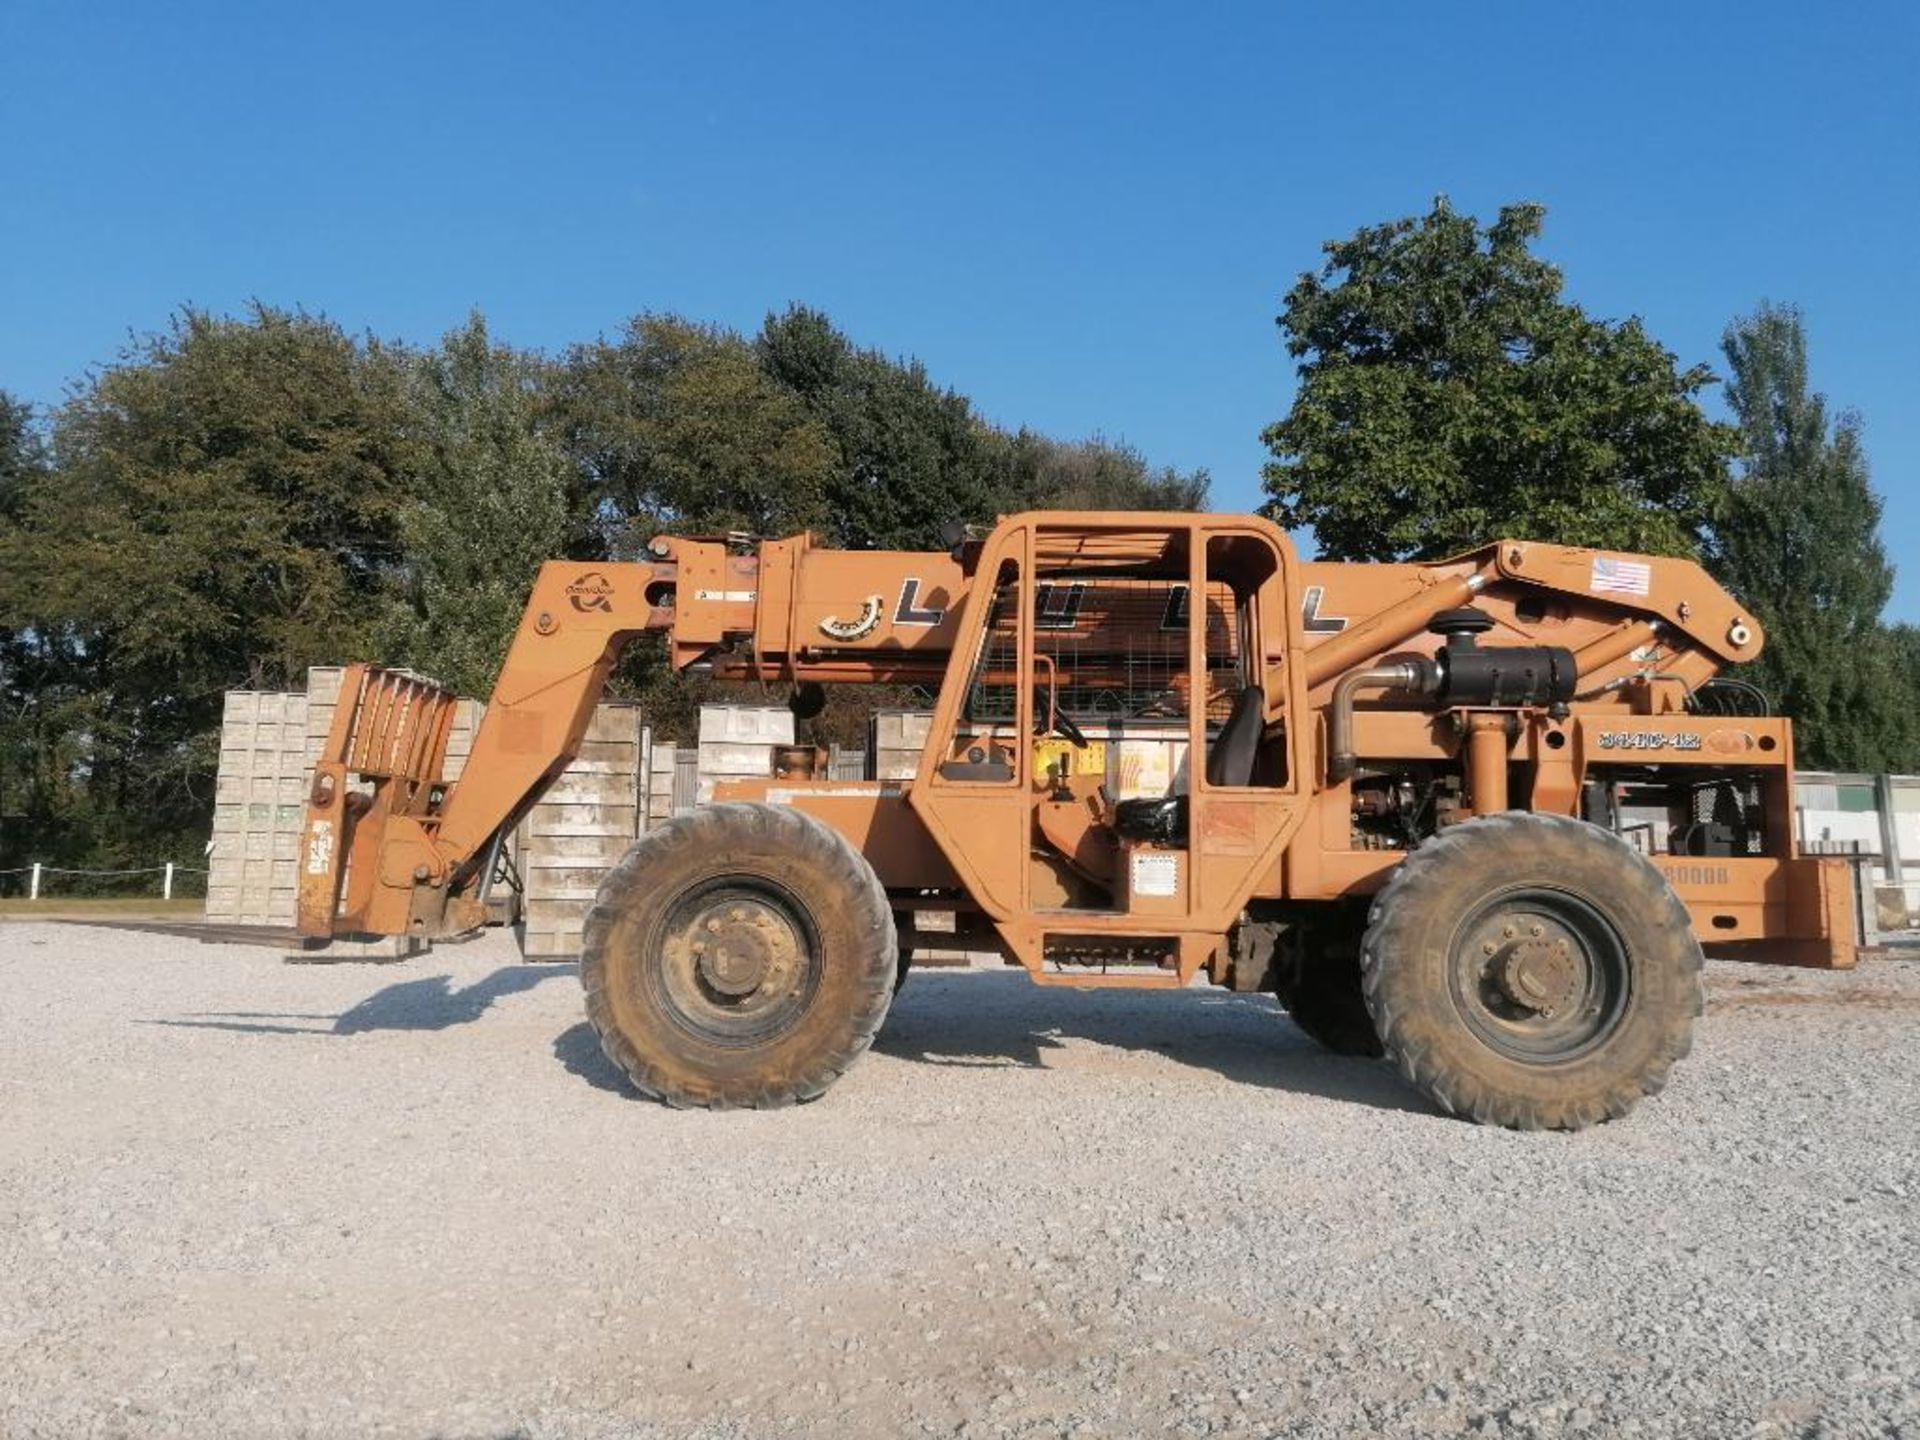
1326,1000
902,923
1419,943
814,874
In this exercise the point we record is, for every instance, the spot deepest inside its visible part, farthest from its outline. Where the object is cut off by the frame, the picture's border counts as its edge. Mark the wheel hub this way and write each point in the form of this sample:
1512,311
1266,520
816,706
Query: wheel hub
738,952
737,947
1538,974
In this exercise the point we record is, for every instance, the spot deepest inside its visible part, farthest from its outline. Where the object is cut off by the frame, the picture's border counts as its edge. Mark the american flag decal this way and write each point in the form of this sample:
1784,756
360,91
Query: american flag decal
1620,577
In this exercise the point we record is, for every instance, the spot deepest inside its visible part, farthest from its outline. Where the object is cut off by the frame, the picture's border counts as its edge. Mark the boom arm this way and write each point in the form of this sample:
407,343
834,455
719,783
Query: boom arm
788,610
780,610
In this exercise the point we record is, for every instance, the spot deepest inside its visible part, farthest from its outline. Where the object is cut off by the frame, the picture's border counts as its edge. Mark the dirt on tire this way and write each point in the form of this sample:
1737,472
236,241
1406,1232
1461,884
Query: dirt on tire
1412,958
840,924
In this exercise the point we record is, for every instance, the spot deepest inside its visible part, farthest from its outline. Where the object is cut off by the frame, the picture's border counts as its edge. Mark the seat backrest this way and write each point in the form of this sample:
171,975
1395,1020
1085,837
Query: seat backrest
1230,760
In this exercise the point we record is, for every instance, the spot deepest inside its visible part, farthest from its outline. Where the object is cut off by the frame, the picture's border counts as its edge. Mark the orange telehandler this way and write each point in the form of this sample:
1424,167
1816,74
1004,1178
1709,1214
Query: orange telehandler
1482,814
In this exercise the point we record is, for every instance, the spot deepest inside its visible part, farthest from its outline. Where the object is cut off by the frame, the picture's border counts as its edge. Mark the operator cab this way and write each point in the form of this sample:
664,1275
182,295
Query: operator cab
1107,652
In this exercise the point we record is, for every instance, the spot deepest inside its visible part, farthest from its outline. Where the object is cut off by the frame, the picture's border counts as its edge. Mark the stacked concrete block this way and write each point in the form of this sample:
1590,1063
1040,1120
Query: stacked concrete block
896,738
323,698
1904,821
581,828
662,769
686,779
259,805
467,715
737,743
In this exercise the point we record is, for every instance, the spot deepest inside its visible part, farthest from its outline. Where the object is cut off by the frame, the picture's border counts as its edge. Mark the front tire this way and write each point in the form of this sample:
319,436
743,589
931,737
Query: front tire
743,955
1532,971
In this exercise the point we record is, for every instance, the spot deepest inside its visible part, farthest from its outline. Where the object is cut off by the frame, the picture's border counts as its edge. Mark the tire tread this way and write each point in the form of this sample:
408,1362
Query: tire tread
838,868
1428,878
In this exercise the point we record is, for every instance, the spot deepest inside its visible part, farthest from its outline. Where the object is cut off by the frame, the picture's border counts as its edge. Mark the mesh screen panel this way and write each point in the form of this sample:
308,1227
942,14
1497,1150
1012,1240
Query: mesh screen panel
1118,649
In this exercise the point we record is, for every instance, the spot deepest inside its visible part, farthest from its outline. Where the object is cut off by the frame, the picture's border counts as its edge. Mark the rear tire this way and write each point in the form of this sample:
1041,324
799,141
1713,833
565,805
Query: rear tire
902,926
1328,1005
743,955
1319,986
1532,971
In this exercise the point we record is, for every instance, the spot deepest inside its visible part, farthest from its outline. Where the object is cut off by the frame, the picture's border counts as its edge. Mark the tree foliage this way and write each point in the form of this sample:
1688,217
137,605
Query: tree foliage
220,511
675,426
912,456
1799,541
33,759
909,455
228,493
485,504
1450,395
23,455
1098,474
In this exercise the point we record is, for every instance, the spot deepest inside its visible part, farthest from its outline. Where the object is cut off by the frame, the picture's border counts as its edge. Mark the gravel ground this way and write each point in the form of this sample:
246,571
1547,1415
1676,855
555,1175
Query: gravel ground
244,1198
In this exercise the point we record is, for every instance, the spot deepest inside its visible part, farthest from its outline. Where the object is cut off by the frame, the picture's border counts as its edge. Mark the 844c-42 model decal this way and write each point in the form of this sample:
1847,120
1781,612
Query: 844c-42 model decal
1649,740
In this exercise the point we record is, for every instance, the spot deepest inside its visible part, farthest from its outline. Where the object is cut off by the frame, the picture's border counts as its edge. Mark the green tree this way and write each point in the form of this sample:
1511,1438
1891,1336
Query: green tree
1096,474
1450,395
1800,543
676,427
911,455
222,512
1902,646
227,497
486,496
23,455
31,795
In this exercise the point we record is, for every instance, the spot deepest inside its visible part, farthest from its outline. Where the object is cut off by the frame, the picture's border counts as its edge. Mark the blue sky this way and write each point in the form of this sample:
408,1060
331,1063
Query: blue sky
1083,216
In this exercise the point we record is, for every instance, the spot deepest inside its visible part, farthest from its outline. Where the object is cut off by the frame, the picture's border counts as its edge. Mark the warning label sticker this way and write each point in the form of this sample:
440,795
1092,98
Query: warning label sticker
1156,874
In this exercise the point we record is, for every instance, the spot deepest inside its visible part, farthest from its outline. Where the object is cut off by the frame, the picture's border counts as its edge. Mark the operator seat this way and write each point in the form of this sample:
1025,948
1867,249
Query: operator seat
1230,761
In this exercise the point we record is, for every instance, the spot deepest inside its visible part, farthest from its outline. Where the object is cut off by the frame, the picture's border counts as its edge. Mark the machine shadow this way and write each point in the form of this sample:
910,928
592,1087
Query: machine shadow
432,1002
974,1019
578,1050
1004,1020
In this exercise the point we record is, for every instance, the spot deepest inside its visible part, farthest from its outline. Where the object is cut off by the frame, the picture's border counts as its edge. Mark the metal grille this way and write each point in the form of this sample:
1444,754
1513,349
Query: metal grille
1735,802
399,727
1117,649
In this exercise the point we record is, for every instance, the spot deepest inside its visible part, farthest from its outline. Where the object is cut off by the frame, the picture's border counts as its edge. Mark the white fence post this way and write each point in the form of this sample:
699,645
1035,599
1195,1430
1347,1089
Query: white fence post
166,885
33,884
